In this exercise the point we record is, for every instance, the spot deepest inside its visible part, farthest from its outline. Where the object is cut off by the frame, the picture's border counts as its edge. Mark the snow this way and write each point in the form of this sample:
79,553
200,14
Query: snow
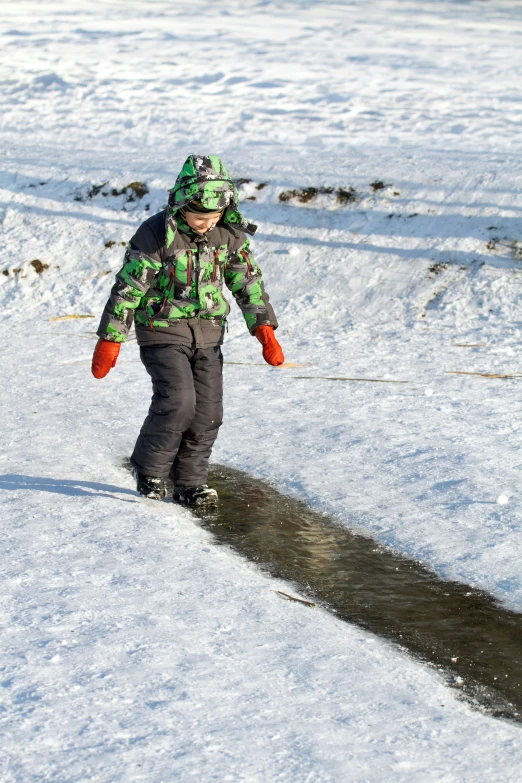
133,646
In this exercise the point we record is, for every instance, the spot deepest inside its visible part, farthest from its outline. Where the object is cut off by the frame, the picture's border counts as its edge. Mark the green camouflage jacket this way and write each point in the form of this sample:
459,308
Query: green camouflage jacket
172,275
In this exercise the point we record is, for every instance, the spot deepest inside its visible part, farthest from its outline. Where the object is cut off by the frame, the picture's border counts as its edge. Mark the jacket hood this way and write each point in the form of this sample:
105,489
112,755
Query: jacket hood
205,178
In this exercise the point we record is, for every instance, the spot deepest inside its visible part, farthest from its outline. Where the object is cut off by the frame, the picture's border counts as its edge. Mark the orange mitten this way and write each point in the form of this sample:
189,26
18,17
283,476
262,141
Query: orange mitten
104,357
272,351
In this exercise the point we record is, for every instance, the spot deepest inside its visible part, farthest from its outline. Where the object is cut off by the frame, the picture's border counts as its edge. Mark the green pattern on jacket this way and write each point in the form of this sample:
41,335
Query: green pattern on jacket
184,279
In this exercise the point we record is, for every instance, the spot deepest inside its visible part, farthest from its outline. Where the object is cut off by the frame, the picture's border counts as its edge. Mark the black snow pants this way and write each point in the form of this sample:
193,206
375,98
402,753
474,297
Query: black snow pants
185,414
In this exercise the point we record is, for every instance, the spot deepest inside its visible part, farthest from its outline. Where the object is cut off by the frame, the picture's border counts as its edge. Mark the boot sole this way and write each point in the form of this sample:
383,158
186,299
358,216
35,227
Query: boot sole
153,496
210,501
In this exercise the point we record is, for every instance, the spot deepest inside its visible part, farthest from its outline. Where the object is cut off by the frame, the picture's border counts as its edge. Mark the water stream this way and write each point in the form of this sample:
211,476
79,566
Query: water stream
458,629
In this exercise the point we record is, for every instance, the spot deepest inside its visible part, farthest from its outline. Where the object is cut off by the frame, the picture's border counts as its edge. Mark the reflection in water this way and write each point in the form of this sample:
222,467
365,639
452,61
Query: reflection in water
459,629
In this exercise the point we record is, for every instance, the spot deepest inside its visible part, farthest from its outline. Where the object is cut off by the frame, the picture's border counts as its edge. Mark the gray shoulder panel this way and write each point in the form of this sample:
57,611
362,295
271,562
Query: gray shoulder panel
225,234
150,236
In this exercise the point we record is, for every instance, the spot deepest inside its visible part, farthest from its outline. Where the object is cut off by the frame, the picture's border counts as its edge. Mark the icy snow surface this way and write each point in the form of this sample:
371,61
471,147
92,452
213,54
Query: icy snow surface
133,647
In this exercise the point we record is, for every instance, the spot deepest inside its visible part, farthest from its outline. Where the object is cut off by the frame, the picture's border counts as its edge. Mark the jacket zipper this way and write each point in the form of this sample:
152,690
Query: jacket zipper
216,261
164,302
189,267
246,258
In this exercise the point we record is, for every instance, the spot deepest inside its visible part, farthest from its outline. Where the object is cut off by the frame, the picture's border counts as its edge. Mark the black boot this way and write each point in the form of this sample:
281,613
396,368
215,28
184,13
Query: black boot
150,487
195,496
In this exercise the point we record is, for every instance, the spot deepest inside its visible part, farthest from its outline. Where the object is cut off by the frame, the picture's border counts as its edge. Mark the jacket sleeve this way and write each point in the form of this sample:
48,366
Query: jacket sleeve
243,277
132,282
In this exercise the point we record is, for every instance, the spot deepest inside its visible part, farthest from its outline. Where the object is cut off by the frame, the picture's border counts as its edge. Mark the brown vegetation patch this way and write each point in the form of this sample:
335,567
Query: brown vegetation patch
133,192
498,245
305,195
436,269
346,195
112,242
379,185
38,266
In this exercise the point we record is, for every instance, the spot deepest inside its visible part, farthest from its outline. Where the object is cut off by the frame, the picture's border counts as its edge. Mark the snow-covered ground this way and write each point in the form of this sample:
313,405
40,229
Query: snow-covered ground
133,647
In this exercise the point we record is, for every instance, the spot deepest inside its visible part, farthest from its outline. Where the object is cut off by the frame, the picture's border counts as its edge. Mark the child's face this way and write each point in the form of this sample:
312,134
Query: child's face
202,222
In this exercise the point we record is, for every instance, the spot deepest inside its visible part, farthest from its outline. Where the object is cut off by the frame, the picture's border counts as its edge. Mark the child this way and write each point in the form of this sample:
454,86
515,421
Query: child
171,286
